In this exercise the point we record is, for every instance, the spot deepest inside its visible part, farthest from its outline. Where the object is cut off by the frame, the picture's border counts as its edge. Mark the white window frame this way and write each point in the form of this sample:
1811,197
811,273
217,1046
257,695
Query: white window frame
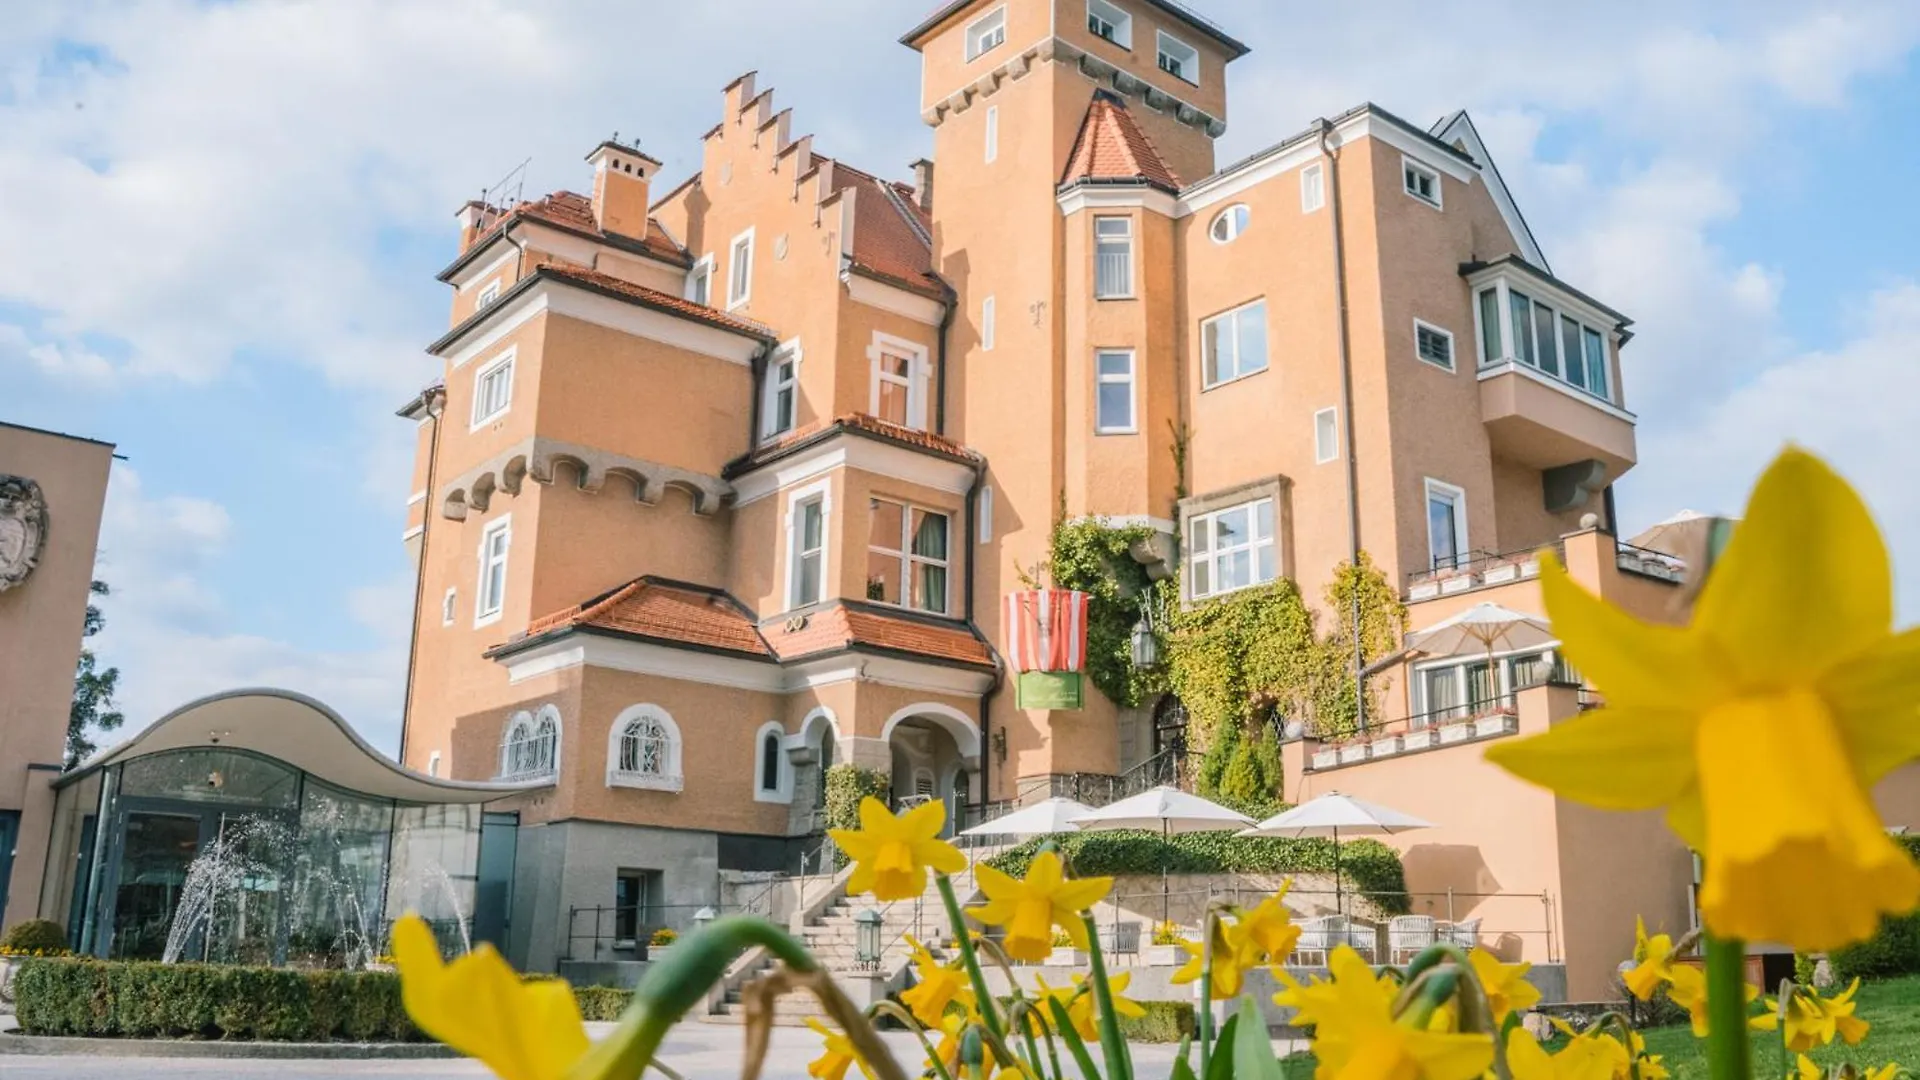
1503,686
991,140
447,603
483,614
917,376
1458,497
796,501
501,366
1504,343
984,513
788,352
1162,56
1326,422
987,328
700,278
979,30
1313,188
1453,347
522,736
908,560
782,791
1234,313
1129,380
1123,219
671,778
1236,223
1213,555
1407,165
488,294
1118,19
735,279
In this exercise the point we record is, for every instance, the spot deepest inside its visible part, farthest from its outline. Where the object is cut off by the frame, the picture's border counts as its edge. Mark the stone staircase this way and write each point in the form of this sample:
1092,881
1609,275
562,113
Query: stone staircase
833,936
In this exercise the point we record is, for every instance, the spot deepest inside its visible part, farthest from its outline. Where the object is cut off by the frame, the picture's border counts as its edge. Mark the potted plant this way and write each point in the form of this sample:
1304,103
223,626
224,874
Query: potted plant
1064,954
23,941
1456,729
1327,756
660,942
1384,746
1165,950
1417,739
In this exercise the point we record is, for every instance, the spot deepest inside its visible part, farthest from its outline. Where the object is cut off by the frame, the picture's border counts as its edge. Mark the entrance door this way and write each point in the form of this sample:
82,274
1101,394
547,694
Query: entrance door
493,893
247,901
154,857
9,836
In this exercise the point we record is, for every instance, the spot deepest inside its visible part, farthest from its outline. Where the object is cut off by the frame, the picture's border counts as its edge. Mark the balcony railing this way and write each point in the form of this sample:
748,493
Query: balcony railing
650,781
1648,563
526,774
1476,569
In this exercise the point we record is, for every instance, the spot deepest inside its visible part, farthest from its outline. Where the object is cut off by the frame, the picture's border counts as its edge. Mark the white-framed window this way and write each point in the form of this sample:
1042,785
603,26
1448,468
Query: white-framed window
530,745
907,556
1326,436
1109,22
807,511
433,763
1313,188
1179,59
488,294
983,514
700,280
491,596
1113,401
1447,545
899,381
1537,334
493,388
1228,224
446,607
987,33
1433,344
986,325
780,402
643,750
772,772
1112,258
1457,687
991,147
740,270
1420,182
1231,549
1233,344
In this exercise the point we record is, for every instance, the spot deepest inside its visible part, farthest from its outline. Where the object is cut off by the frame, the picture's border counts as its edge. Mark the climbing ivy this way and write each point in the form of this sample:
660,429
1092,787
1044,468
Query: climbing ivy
846,786
1092,556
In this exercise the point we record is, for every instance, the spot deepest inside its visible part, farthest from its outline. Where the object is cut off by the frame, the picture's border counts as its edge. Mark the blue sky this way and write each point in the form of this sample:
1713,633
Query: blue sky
222,222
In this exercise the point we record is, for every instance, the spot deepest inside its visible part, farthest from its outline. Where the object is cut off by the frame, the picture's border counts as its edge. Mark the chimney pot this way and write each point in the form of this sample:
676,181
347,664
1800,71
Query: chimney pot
923,184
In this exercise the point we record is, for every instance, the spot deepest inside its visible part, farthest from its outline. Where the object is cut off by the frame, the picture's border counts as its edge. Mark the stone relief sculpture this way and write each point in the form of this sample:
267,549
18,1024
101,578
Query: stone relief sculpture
23,528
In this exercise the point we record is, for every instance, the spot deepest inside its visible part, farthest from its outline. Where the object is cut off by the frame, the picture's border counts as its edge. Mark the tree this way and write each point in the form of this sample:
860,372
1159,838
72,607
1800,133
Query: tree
93,690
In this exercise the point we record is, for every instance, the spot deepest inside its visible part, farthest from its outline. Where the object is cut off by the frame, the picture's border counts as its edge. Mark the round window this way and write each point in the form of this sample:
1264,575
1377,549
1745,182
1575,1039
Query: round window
1228,224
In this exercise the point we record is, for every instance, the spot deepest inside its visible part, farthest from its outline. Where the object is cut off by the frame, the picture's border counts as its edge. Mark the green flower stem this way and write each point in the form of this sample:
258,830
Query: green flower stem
1204,1022
1113,1047
1053,1050
912,1023
1727,1047
1033,1046
963,940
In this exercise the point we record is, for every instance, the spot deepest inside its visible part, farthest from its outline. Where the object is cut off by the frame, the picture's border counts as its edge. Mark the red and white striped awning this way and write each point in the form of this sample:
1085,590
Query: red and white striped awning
1046,630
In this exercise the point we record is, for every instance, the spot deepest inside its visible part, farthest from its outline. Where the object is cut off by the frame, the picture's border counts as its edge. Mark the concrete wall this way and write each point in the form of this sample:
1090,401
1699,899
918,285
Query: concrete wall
573,864
40,624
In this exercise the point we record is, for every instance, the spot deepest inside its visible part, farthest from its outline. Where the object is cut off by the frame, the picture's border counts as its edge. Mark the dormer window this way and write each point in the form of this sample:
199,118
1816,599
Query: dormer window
987,33
1179,59
1106,21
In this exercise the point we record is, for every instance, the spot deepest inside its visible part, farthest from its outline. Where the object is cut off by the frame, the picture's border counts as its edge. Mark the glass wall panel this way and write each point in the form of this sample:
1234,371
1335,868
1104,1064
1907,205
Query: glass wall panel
228,777
435,859
339,878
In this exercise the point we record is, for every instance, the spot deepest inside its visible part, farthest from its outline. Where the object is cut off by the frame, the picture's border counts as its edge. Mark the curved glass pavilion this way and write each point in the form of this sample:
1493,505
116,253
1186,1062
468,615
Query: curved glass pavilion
256,827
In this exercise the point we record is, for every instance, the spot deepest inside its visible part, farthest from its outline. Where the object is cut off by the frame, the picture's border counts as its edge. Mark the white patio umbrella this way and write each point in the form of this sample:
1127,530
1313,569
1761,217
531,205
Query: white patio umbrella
1327,816
1482,627
1055,815
1168,810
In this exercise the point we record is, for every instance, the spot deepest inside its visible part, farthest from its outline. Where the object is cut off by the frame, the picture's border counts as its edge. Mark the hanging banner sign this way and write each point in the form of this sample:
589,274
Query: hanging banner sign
1046,630
1048,690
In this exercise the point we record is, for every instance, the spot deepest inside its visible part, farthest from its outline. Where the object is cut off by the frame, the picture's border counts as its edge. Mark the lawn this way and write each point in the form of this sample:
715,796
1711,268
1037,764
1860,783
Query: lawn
1892,1006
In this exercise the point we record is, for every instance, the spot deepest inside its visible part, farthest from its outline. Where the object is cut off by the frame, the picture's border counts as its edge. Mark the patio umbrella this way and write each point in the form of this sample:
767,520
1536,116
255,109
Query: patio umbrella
1327,816
1042,818
1168,810
1484,625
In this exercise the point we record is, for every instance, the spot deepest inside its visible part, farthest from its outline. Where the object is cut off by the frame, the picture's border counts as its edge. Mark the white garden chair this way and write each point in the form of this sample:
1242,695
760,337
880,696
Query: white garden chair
1407,935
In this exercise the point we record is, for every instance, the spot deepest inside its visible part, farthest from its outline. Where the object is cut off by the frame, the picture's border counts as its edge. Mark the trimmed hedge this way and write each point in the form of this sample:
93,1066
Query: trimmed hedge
602,1002
34,937
1893,950
1165,1022
1369,867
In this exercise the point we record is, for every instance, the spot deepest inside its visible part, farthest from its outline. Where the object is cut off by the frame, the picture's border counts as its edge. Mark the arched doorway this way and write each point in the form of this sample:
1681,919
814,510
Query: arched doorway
933,750
1169,726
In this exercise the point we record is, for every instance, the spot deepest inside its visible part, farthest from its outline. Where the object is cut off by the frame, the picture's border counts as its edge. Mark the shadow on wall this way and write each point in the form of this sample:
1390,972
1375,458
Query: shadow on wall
1436,868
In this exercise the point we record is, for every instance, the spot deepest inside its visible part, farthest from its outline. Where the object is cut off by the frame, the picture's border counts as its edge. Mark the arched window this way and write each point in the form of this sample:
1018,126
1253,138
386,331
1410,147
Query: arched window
643,750
1228,224
530,746
770,763
772,772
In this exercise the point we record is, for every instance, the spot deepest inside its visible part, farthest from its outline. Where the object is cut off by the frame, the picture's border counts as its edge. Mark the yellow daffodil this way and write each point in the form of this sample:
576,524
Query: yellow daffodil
1687,988
1082,1008
1031,907
838,1056
1805,1069
1269,926
1585,1057
940,985
1889,1071
1653,961
481,1007
1762,726
1623,1058
891,854
1813,1021
953,1030
1506,984
1355,1034
1232,956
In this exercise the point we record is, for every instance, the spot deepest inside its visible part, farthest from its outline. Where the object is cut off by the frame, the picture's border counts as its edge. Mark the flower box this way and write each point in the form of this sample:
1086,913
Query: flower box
1417,740
1456,584
1326,759
1487,727
1162,955
1353,753
1068,957
1455,733
1498,574
1424,590
1386,747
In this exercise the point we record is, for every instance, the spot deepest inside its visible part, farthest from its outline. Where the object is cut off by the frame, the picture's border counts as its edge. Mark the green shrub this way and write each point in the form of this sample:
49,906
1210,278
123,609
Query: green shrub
1165,1022
34,937
847,785
1368,867
602,1002
1893,950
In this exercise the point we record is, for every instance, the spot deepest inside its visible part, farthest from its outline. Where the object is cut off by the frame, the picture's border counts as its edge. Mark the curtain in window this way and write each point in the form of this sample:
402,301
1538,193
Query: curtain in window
930,578
1443,694
1479,685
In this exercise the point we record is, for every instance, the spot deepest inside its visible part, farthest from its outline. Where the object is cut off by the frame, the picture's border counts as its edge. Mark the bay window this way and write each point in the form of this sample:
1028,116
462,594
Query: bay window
907,562
1521,322
1231,548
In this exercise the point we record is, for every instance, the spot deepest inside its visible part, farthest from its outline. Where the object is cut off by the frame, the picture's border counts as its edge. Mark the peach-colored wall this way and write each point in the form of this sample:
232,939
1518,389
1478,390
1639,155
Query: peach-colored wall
40,623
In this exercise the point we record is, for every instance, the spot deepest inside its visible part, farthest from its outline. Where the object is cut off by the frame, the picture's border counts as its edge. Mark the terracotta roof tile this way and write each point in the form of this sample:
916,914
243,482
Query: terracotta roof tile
891,234
573,211
843,626
669,611
1111,146
655,298
873,425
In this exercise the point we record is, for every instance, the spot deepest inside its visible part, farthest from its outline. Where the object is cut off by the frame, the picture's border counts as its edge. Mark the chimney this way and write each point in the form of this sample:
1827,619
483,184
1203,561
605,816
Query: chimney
923,184
621,175
475,218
